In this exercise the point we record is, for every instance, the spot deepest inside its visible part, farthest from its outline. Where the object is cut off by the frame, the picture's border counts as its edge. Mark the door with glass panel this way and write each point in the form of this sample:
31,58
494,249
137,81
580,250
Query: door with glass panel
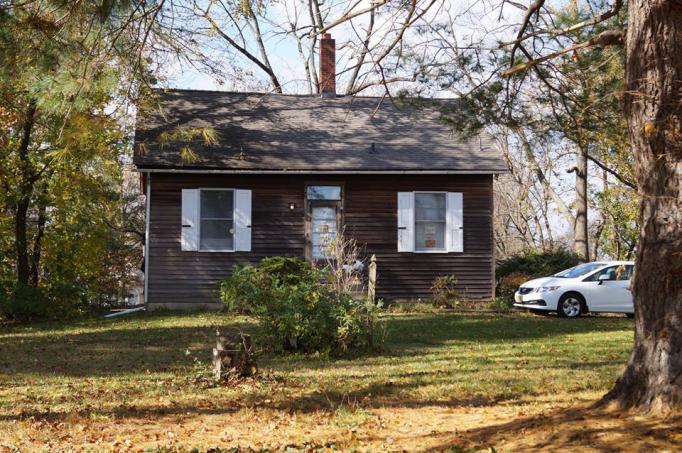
323,219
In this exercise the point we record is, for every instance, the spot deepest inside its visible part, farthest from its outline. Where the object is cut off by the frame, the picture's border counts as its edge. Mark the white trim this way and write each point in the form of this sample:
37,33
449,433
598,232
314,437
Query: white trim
148,203
324,172
199,249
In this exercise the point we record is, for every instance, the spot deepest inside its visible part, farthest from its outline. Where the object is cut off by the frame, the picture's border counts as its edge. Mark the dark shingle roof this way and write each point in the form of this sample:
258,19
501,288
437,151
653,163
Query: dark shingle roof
266,132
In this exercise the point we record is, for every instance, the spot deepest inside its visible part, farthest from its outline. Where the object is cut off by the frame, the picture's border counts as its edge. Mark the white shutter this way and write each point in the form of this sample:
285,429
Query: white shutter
454,226
405,221
242,220
189,236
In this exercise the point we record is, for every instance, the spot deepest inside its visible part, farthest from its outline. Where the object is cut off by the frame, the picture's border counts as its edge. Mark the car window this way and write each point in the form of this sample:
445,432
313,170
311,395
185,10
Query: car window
579,270
627,273
619,272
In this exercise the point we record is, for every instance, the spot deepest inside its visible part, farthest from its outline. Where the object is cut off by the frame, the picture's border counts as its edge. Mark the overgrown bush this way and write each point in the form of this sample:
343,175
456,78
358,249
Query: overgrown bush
443,291
298,308
536,263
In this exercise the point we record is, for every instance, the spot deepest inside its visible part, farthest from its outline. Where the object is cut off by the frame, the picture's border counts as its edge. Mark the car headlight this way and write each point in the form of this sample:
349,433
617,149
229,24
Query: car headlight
546,289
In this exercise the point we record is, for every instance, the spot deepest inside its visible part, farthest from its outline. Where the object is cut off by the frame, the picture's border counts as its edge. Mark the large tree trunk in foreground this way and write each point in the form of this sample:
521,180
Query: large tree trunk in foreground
652,380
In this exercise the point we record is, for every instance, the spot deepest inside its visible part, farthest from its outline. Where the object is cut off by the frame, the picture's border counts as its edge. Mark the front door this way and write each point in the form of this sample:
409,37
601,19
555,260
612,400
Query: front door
323,219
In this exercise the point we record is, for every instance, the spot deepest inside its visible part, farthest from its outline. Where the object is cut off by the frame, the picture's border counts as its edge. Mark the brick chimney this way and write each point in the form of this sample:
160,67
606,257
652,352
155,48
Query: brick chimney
327,79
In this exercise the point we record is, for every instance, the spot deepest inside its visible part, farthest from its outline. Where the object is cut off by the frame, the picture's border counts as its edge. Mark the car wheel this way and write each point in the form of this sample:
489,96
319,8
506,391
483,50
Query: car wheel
570,306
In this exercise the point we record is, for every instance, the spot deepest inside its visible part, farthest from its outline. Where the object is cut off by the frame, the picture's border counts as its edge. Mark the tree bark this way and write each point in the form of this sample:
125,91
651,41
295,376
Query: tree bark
24,197
37,245
580,243
652,381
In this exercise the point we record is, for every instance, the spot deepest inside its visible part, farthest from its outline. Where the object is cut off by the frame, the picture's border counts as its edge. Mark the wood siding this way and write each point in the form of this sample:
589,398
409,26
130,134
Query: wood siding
370,205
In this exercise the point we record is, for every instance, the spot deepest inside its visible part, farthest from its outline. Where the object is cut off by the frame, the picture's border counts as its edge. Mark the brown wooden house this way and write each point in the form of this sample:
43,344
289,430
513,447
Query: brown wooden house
287,172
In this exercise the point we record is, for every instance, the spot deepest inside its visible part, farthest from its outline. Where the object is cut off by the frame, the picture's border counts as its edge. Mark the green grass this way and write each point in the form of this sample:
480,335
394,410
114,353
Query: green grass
142,368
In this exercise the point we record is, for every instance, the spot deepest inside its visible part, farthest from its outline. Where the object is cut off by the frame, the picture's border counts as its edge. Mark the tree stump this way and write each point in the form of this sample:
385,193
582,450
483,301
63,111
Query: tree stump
233,356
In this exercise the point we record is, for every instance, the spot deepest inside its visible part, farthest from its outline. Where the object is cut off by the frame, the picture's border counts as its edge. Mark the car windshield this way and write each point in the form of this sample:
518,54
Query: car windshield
579,270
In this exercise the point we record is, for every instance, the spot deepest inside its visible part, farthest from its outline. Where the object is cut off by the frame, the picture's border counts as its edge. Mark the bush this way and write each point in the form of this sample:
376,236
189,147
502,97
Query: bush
443,291
508,285
535,263
27,303
22,304
298,308
502,304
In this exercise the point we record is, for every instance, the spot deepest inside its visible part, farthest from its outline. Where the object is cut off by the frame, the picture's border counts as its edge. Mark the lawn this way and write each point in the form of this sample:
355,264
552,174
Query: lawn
443,381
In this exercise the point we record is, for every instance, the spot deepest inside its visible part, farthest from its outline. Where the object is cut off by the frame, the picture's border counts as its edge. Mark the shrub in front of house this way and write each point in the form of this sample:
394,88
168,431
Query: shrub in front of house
507,286
298,309
444,293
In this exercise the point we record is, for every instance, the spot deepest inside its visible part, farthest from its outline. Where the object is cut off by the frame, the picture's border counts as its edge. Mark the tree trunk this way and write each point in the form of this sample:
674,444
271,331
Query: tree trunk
652,380
580,244
24,197
37,245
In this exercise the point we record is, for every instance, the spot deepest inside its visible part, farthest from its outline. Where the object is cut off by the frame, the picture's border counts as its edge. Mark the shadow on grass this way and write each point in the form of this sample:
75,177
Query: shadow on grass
321,401
117,349
575,428
135,347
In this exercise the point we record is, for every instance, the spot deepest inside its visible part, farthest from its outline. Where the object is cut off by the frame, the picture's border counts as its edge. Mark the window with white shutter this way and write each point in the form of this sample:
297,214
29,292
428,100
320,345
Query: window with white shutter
216,220
430,222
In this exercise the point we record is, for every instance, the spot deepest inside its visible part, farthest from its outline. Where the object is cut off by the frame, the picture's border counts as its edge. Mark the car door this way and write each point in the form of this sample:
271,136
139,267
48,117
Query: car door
597,291
610,295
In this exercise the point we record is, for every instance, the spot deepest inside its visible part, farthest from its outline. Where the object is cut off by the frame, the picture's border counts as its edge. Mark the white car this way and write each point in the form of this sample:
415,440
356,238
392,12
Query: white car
602,286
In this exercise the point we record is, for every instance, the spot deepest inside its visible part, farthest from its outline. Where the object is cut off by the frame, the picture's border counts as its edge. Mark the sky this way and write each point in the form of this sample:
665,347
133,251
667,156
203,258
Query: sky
472,18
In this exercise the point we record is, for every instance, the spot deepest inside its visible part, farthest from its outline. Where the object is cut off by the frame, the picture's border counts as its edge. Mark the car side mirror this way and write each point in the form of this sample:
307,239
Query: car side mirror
603,278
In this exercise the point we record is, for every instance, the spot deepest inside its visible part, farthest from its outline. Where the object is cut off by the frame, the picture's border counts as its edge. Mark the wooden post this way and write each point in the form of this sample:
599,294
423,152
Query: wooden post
233,354
372,284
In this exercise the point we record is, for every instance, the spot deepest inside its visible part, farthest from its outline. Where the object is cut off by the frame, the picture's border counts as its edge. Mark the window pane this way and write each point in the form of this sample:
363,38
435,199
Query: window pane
429,206
323,193
323,228
216,204
324,213
624,272
612,271
216,235
429,236
318,252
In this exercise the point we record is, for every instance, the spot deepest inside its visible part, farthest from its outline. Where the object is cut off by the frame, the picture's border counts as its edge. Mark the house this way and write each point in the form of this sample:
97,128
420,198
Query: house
288,172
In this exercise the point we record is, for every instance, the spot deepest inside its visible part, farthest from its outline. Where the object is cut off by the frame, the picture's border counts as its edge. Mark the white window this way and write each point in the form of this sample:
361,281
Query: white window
216,220
430,222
